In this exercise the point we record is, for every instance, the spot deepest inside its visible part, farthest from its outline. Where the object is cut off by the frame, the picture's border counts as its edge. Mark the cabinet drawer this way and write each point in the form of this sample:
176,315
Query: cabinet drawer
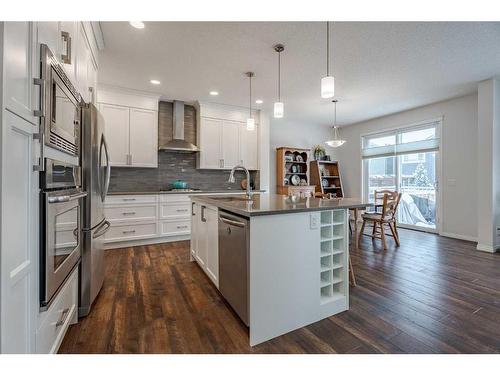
175,227
131,232
131,212
131,199
174,198
175,210
58,317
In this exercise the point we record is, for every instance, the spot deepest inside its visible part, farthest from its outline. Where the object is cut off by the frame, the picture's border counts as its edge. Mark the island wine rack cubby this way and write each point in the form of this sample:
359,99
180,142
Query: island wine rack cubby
333,256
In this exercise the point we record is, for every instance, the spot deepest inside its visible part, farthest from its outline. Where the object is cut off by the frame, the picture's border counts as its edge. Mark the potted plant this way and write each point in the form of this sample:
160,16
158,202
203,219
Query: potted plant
319,152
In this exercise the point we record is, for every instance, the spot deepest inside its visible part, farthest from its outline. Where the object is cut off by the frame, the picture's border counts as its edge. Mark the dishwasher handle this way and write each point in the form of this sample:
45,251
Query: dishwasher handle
232,222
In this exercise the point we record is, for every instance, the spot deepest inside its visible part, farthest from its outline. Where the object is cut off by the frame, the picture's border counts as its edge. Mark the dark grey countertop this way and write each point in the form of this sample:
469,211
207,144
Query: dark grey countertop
273,204
226,191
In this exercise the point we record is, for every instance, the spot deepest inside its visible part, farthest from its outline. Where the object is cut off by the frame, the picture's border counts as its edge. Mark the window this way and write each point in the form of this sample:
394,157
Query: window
404,160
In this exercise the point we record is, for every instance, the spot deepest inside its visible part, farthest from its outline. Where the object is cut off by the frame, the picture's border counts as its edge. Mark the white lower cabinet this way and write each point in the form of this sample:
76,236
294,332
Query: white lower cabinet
205,240
61,313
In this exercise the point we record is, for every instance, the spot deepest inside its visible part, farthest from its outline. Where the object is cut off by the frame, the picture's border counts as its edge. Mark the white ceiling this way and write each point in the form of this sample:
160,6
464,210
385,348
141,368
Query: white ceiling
380,68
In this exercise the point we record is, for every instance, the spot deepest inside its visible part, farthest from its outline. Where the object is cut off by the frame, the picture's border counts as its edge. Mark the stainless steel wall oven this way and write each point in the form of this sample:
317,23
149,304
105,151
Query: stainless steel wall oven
60,219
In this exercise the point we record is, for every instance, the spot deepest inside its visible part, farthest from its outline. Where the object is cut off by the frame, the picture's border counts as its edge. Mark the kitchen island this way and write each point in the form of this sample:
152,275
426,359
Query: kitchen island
280,262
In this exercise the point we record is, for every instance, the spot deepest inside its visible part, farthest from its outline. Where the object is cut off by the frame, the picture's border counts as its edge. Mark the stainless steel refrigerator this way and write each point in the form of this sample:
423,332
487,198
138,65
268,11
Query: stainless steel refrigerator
96,170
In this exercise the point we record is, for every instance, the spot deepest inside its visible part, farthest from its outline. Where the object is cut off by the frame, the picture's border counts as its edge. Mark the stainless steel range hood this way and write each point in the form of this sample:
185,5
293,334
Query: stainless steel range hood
178,144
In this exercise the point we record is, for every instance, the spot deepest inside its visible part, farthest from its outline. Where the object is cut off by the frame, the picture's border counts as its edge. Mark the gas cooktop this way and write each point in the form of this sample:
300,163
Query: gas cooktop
180,190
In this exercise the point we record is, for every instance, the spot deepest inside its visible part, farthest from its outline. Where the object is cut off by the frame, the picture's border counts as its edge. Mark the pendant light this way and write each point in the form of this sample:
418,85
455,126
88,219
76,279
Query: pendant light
250,119
279,108
328,82
336,141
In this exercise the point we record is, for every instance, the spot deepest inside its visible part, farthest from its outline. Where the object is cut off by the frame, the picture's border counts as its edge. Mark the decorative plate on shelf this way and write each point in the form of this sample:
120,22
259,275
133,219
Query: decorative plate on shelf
299,159
295,180
324,182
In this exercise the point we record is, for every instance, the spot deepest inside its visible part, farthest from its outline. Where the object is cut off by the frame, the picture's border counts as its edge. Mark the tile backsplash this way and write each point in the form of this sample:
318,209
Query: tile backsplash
171,167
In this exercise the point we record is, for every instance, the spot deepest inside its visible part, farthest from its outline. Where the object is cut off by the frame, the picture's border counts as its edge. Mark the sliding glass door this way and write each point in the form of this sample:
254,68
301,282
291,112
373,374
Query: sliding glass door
405,160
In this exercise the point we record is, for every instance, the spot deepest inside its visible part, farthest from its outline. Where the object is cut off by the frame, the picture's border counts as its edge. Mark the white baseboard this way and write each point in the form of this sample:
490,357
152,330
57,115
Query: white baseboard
487,248
148,241
458,236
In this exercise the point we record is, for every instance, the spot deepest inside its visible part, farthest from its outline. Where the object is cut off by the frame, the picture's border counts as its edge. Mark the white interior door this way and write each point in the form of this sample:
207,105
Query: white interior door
116,129
143,138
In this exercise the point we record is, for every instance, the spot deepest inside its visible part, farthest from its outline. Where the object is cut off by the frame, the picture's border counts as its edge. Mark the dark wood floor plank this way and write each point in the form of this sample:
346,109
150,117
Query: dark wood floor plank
431,295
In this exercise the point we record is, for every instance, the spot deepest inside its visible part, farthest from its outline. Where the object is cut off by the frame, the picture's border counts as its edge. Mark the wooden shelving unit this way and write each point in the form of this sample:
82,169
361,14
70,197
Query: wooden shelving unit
329,171
293,161
333,258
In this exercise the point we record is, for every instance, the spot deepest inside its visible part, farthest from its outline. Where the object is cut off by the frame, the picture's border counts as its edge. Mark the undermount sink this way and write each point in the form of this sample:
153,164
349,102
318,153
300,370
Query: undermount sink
232,199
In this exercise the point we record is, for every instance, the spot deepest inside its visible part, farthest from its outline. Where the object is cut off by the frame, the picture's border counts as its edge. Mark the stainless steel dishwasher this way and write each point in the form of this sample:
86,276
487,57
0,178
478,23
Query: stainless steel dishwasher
234,241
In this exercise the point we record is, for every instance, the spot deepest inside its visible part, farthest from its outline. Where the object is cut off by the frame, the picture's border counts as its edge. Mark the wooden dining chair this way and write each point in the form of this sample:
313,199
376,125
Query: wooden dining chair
386,218
378,198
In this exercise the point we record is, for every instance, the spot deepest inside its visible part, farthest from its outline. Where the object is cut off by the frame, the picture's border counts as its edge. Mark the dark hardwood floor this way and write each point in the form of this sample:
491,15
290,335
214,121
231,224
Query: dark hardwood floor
431,295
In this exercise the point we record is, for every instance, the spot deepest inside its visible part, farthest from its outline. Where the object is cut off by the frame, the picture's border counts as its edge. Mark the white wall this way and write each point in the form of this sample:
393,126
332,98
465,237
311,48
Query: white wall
284,133
458,159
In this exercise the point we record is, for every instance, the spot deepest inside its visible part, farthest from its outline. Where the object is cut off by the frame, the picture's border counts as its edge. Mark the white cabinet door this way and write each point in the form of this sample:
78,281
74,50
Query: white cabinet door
48,33
69,39
143,138
19,235
19,61
212,243
230,144
92,81
83,59
202,230
210,143
249,147
116,128
194,229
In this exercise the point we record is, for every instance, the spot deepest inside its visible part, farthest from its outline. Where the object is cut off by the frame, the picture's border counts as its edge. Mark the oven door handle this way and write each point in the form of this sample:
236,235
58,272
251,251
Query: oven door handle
66,198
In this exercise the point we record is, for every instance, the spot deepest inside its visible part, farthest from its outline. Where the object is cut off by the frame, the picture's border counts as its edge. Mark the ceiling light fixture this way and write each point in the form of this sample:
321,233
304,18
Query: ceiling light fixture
155,82
336,141
279,107
137,24
214,93
328,82
250,119
259,101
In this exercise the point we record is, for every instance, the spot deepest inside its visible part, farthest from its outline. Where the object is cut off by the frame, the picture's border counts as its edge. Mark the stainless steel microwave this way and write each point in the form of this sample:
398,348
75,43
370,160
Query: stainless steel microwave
60,105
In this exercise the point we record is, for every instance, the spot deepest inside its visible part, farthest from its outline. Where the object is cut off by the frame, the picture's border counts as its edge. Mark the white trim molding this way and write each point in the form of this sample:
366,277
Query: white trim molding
487,248
459,236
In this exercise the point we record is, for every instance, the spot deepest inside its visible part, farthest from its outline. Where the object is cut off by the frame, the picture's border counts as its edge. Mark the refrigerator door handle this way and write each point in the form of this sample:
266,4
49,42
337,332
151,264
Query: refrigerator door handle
108,168
102,229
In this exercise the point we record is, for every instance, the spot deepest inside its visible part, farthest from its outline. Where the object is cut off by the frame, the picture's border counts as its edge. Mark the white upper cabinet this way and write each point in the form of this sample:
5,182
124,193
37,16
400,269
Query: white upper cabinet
249,147
230,144
116,129
131,127
223,139
143,137
210,135
20,62
48,33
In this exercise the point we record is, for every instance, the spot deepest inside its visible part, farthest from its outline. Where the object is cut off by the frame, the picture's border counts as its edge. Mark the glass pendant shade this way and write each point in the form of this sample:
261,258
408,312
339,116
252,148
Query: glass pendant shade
336,141
250,124
279,110
327,87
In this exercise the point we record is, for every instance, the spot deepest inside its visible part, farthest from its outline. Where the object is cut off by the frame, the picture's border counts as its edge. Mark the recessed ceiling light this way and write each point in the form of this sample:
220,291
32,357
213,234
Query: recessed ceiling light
155,82
214,93
137,24
259,101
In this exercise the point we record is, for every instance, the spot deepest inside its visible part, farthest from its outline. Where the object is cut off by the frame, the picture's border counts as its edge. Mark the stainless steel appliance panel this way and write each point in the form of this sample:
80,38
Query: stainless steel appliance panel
234,242
95,180
61,228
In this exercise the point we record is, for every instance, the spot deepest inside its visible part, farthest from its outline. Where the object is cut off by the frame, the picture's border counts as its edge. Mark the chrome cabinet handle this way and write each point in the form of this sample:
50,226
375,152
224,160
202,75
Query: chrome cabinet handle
192,209
182,226
203,214
61,321
182,210
66,198
129,199
66,38
128,231
129,213
41,111
40,167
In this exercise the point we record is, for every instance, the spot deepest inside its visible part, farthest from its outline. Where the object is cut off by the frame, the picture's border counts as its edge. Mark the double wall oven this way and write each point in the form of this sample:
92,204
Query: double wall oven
60,234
